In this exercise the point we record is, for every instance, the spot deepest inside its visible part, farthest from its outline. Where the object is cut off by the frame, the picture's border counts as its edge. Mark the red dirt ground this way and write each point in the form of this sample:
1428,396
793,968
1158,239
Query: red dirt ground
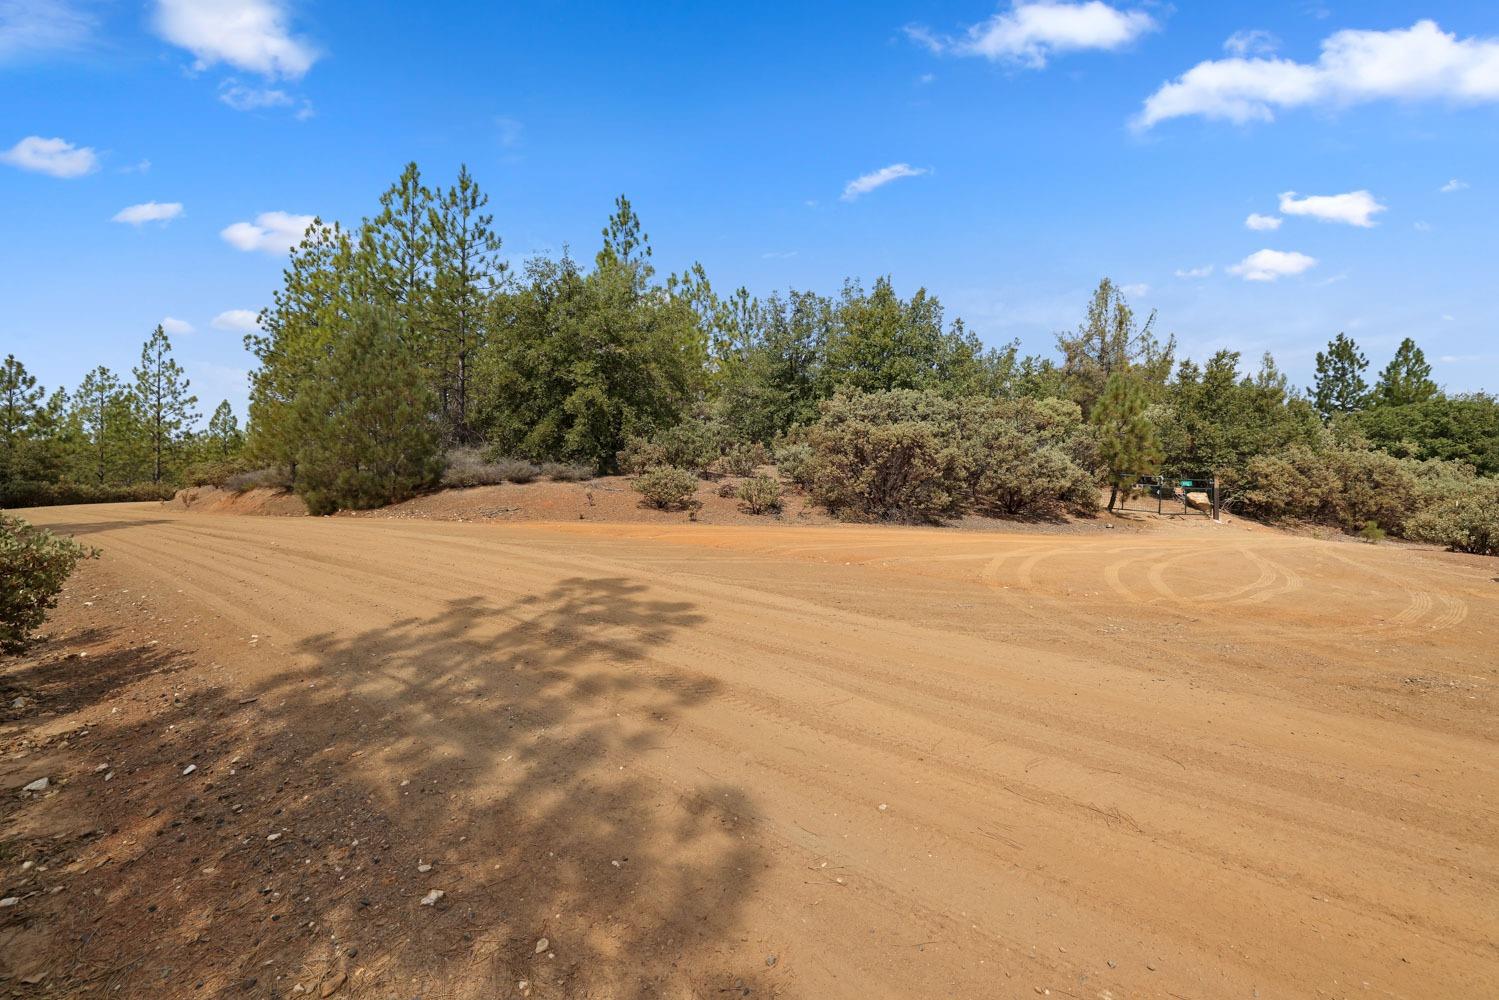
1168,759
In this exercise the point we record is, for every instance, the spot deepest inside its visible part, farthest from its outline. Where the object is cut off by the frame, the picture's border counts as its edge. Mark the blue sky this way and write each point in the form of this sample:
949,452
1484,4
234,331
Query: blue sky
1010,156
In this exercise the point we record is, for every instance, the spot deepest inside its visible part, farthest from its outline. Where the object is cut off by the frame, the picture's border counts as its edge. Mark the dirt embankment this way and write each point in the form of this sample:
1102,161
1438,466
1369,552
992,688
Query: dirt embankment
216,500
695,760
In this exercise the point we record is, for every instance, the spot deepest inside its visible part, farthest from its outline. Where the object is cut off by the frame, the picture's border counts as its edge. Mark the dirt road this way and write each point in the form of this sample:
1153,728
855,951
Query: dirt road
1200,762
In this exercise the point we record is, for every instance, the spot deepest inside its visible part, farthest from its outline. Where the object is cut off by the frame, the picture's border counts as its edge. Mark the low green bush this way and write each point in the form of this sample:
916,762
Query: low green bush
213,472
761,494
665,487
34,564
1464,518
27,493
793,460
742,459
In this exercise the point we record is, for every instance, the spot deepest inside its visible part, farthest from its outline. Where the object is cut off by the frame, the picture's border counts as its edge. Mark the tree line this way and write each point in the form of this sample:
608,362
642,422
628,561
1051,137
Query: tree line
408,335
110,437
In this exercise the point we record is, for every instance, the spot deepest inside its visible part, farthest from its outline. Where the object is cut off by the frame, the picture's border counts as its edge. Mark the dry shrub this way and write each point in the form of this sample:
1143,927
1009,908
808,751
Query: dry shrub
666,488
761,494
256,479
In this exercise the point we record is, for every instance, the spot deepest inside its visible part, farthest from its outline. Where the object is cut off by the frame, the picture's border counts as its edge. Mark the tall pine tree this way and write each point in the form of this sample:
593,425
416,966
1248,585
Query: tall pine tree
166,407
1406,379
1127,440
1340,385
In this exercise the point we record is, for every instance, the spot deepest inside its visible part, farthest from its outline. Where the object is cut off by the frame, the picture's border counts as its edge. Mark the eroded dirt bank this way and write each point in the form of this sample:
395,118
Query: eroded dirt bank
701,760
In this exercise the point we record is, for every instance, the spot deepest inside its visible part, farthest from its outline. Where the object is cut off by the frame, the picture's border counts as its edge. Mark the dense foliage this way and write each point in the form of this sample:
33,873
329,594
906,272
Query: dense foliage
406,342
34,564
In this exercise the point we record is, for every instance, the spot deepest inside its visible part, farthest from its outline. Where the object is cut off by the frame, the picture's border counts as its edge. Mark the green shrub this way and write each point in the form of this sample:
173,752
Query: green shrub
566,472
761,494
213,472
793,460
34,564
641,454
665,487
1464,517
29,493
743,459
1371,532
915,456
1343,488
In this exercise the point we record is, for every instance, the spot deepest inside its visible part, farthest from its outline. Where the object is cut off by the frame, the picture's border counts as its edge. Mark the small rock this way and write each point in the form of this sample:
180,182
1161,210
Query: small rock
39,785
770,961
541,946
331,986
273,837
424,869
10,901
884,806
189,769
101,769
431,898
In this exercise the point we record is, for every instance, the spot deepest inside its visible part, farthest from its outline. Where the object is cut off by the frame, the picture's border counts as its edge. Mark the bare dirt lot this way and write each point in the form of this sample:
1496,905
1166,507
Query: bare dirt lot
696,760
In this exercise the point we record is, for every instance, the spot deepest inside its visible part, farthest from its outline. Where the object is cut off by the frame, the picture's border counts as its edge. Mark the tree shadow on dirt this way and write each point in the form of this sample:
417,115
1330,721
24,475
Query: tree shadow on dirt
95,527
499,761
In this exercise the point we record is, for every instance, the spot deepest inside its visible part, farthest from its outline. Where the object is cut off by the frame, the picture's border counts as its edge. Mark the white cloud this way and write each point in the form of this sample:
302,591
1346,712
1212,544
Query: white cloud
1194,272
879,178
1029,32
1454,185
1356,208
778,254
237,321
175,327
243,98
1422,227
1255,42
251,35
271,232
34,27
1138,290
1270,265
1262,223
51,156
1421,62
149,211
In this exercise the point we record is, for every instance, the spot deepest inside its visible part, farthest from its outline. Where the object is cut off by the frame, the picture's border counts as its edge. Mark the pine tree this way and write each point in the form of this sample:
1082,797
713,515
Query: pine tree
365,421
20,406
1406,379
626,244
1340,385
1127,443
399,241
165,406
326,275
467,269
103,414
223,432
1108,341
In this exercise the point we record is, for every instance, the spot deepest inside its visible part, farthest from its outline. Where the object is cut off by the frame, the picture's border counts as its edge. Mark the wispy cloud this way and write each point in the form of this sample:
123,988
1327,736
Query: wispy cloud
1193,273
1253,42
271,232
1356,208
149,211
1421,62
879,178
57,157
1454,185
1029,33
175,327
1272,265
1262,223
31,28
